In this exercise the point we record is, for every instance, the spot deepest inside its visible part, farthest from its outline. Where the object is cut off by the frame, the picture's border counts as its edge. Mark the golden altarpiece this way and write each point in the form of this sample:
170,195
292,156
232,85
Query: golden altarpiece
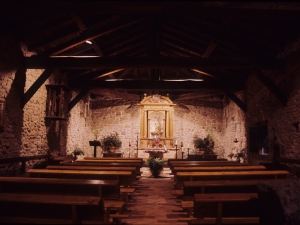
156,124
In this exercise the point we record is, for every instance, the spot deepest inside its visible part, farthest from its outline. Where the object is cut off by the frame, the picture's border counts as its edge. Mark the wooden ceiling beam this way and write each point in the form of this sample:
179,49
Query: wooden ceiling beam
115,94
150,85
36,85
87,35
271,86
182,49
36,62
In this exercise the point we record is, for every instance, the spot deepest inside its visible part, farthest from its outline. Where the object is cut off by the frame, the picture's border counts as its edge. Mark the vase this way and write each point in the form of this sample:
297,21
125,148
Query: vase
112,149
156,173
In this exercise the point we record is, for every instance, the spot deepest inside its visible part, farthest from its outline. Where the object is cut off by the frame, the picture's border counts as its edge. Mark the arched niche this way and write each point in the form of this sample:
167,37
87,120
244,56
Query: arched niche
156,124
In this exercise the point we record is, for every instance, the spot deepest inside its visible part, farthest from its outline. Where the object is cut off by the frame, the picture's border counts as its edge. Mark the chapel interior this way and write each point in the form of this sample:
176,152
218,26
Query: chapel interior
157,74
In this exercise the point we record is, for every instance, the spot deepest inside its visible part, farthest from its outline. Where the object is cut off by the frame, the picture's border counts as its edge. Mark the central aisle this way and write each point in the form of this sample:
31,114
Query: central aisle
153,201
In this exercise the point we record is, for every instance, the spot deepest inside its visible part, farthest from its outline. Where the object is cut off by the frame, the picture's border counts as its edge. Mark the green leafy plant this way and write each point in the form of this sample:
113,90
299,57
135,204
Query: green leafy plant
111,140
155,165
238,155
77,151
199,142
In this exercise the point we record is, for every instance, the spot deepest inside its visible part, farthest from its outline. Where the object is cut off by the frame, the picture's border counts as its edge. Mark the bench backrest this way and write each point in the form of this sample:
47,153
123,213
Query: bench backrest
218,168
125,177
108,189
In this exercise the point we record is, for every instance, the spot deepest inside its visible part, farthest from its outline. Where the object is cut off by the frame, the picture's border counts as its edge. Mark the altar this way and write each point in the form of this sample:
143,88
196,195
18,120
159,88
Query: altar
158,152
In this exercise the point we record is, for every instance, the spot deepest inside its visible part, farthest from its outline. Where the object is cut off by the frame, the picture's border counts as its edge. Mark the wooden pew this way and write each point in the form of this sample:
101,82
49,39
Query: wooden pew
225,186
124,177
24,208
225,175
107,189
205,163
94,168
219,199
115,158
107,164
170,161
216,169
112,159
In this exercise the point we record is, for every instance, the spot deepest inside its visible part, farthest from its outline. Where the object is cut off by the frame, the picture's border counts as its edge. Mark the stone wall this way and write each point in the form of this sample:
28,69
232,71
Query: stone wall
263,105
233,127
123,119
79,128
189,120
25,132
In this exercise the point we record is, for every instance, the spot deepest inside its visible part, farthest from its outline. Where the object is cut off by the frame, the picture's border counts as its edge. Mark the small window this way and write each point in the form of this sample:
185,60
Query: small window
258,139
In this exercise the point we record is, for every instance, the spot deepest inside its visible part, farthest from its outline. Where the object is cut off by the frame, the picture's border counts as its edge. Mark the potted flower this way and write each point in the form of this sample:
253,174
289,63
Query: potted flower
240,156
111,142
199,143
77,151
156,165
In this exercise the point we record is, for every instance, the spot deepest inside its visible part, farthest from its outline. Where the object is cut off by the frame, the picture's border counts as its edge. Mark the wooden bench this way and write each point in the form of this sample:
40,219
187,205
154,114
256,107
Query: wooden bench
204,163
219,199
125,192
107,189
140,160
107,164
124,177
95,168
21,202
192,187
115,160
216,168
234,175
170,161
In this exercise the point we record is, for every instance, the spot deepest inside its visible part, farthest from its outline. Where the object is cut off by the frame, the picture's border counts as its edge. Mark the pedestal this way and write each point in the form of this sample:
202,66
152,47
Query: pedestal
114,154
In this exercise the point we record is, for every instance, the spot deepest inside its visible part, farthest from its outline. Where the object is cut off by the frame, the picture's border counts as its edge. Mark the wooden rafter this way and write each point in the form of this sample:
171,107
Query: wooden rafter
36,85
78,97
87,35
271,86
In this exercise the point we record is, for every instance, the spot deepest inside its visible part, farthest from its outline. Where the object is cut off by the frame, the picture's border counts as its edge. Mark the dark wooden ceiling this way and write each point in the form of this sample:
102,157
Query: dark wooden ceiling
189,49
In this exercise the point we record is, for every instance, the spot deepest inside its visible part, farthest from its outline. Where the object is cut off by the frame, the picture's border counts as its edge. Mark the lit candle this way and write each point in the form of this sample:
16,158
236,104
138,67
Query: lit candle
176,142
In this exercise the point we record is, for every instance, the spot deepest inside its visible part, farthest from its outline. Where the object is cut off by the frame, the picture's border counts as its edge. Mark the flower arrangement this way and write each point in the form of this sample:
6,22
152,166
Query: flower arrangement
238,155
199,142
155,165
111,140
77,151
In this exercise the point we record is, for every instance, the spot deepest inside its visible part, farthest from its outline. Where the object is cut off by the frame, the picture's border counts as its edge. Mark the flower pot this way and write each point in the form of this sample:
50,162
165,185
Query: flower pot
156,173
112,149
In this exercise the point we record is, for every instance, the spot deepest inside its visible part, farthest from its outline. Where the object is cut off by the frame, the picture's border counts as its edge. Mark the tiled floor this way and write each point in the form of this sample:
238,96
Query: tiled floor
153,201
